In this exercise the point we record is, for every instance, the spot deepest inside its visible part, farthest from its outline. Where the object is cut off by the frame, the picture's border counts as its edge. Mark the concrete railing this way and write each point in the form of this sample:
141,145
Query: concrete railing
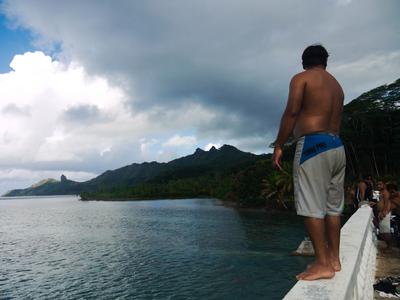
358,257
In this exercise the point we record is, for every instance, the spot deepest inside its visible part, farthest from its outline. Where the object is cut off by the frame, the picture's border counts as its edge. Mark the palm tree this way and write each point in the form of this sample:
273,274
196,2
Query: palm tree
278,186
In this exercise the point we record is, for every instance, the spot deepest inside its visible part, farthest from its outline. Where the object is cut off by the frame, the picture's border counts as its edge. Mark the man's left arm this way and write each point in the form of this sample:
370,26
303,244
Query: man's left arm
387,203
289,117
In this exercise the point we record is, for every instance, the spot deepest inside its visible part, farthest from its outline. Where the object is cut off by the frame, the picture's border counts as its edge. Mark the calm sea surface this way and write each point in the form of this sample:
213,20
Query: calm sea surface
63,248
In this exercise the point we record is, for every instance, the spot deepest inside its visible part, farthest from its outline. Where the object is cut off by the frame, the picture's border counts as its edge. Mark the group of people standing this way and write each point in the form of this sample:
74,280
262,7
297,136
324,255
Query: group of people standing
384,198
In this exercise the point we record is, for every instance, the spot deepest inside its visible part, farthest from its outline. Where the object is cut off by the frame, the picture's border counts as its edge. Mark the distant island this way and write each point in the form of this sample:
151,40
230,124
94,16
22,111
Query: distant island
370,131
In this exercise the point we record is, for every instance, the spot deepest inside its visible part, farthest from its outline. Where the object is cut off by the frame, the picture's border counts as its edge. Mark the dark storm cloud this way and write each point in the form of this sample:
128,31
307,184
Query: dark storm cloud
233,57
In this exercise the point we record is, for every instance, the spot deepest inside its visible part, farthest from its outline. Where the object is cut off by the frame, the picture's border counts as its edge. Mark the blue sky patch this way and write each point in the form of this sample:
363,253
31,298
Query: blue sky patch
12,42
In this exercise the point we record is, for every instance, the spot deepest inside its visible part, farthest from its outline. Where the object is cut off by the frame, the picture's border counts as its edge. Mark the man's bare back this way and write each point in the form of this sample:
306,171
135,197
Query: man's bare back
322,103
315,104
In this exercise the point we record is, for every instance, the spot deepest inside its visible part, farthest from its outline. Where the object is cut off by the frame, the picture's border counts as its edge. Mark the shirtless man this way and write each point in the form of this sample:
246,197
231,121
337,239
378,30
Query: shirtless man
364,191
384,215
313,116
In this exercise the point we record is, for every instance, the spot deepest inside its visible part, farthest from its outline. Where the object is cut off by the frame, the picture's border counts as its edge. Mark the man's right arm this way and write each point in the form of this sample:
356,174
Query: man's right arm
293,106
386,205
289,117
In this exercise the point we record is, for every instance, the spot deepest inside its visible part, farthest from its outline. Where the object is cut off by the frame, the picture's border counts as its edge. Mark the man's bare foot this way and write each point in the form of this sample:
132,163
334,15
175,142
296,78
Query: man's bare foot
317,271
334,262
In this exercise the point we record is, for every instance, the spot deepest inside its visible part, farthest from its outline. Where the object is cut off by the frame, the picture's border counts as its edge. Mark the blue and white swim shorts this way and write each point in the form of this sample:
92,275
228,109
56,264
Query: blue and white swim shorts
318,175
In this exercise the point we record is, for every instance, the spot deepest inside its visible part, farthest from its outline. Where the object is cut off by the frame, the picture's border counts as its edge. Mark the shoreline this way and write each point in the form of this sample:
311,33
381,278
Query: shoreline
226,203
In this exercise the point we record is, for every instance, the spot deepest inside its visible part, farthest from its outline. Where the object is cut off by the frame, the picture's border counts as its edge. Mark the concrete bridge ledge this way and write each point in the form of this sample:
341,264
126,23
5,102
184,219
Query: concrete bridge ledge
358,257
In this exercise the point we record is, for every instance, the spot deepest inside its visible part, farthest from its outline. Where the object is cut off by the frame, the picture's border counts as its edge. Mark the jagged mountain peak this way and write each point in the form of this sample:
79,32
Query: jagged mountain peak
199,150
213,149
228,147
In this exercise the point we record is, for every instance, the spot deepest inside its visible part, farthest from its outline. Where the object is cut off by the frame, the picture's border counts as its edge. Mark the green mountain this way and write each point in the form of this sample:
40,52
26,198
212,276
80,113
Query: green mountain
200,163
49,187
43,181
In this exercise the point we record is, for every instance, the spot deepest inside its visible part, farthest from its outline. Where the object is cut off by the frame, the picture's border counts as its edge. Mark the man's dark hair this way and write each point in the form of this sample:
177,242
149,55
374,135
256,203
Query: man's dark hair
314,55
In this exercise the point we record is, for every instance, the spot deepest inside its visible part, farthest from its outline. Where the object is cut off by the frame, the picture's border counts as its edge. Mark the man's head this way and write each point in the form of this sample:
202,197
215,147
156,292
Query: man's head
368,178
380,185
314,55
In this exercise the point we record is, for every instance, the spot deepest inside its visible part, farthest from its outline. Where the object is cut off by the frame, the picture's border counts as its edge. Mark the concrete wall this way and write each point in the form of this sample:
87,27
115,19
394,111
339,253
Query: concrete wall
358,257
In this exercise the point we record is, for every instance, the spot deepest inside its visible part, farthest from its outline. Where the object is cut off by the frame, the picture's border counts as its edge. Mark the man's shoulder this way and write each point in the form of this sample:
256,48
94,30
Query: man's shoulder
362,184
299,75
298,78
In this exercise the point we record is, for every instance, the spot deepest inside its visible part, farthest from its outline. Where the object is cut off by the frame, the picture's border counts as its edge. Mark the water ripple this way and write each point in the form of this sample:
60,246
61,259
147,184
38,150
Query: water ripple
61,248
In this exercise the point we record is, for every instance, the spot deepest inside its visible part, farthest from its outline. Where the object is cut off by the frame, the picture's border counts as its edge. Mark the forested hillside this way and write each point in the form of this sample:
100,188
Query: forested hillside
371,132
191,175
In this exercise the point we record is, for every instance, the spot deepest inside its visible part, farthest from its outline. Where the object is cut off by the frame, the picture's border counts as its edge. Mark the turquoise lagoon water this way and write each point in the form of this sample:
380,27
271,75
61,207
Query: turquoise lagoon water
63,248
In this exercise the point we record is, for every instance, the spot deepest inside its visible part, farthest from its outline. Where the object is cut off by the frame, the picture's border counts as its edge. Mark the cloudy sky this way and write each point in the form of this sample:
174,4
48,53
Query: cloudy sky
87,86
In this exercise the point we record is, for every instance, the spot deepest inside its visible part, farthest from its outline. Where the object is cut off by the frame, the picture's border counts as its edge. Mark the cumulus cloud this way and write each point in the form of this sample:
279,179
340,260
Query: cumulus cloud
41,90
61,120
36,140
15,110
